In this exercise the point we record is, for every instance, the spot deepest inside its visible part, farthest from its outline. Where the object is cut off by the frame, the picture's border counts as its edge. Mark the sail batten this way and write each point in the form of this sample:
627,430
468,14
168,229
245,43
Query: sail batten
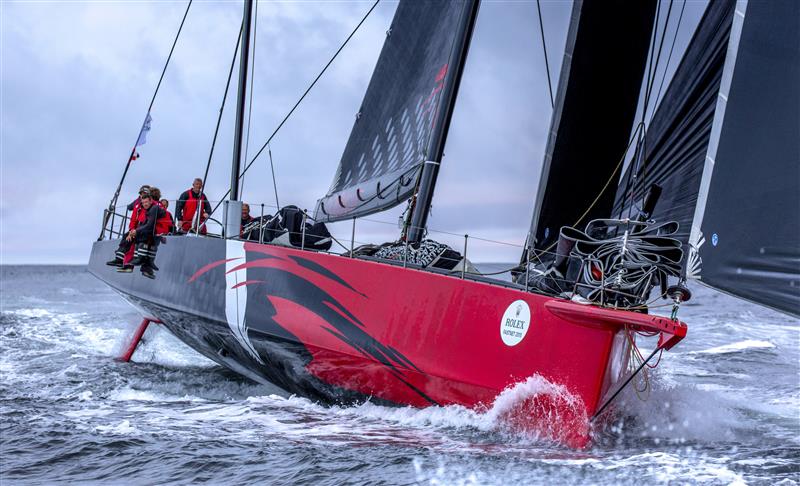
388,144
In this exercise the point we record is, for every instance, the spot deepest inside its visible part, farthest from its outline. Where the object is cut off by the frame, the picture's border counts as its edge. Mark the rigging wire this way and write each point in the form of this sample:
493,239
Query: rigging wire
219,119
544,48
250,103
651,82
114,199
274,183
652,70
669,58
313,83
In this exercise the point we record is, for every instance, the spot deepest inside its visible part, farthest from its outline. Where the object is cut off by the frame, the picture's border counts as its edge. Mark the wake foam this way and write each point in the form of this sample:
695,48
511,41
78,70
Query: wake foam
676,413
534,410
542,410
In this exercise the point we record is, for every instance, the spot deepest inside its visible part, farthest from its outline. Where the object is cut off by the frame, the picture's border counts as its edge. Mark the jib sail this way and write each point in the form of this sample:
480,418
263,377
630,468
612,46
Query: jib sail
390,138
595,106
723,146
677,138
745,235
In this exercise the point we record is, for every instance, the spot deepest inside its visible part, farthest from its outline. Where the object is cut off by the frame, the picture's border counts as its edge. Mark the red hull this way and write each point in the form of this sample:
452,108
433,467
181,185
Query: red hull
418,338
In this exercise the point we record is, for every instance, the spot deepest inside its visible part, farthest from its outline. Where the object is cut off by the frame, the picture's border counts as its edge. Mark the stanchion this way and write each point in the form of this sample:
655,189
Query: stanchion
353,238
303,236
261,226
464,262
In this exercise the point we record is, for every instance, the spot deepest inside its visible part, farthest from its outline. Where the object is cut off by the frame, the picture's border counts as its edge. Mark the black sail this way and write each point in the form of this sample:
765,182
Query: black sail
723,145
677,137
598,91
388,143
746,230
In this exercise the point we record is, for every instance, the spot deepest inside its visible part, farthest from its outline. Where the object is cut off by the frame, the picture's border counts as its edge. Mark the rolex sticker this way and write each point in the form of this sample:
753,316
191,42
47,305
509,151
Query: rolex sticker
515,322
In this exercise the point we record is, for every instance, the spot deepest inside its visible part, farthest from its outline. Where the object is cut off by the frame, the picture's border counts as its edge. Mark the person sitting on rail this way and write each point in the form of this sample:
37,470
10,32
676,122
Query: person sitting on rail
120,256
186,208
135,205
171,228
144,237
164,223
144,227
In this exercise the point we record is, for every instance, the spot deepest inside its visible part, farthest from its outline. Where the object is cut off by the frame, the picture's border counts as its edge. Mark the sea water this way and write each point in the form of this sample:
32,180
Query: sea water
723,407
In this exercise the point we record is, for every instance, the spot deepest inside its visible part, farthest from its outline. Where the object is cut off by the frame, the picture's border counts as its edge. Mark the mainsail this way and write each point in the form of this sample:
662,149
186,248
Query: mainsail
724,147
390,138
595,106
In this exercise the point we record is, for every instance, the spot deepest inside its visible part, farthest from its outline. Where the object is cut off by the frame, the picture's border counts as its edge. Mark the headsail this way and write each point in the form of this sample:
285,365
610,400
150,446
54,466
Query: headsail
388,143
678,135
724,147
595,106
748,211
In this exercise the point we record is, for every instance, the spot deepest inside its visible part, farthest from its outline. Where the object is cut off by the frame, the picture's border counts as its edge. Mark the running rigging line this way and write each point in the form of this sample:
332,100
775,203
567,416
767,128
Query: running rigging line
649,92
313,83
652,69
113,202
544,48
669,58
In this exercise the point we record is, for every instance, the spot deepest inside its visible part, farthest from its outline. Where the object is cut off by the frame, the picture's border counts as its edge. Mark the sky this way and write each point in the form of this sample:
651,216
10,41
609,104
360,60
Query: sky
77,77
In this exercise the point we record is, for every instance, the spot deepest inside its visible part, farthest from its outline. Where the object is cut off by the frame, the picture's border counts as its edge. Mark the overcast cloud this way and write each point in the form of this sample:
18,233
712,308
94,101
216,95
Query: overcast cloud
77,78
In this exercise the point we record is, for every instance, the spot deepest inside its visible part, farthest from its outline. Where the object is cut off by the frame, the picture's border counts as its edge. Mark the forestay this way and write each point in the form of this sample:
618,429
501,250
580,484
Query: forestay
388,143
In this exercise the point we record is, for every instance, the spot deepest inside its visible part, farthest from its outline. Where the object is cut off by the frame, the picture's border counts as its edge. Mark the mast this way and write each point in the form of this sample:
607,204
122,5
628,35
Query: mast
430,171
240,101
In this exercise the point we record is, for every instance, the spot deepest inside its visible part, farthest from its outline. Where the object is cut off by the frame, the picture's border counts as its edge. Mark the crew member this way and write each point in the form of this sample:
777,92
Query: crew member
145,237
142,238
246,218
164,223
134,206
186,208
171,228
123,257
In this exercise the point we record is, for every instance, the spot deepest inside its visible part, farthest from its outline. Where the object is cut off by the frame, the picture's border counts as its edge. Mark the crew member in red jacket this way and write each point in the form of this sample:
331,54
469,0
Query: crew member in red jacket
124,257
189,204
167,226
143,238
136,205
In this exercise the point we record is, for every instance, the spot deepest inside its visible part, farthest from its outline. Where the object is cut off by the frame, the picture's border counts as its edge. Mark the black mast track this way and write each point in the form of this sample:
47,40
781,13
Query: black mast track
241,99
430,171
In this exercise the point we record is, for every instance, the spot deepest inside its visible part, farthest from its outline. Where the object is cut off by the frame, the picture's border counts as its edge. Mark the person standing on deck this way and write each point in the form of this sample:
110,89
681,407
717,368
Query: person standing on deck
186,208
246,218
